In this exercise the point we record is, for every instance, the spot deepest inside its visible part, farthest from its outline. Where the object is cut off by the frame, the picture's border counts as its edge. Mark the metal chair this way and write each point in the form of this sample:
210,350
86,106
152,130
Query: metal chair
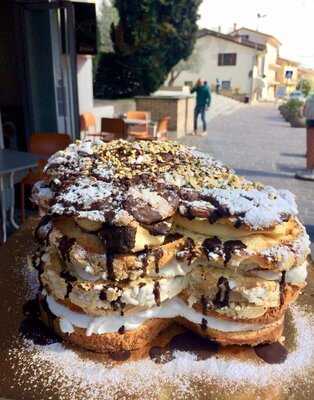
42,144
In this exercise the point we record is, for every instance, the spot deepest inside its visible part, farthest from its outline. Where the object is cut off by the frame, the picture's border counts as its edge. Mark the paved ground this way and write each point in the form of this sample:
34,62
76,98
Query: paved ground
259,144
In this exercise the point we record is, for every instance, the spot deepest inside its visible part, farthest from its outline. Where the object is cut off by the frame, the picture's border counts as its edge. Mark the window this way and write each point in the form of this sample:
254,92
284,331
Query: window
226,85
227,59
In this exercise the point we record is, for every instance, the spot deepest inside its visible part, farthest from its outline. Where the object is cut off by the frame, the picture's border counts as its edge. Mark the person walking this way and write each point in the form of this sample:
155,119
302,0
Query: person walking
218,85
203,100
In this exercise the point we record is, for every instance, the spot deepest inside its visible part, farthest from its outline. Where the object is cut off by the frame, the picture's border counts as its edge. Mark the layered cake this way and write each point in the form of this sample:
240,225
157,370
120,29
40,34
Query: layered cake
138,235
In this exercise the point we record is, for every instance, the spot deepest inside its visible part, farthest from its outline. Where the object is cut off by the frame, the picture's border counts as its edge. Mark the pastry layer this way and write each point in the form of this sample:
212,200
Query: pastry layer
170,309
277,253
267,334
97,297
235,296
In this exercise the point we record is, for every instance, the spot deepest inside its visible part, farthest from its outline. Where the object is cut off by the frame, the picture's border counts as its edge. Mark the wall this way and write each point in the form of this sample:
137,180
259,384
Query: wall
85,83
209,48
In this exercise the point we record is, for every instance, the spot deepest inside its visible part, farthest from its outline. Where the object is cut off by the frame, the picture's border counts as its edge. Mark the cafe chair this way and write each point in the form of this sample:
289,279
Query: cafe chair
138,129
88,126
42,144
145,115
114,127
161,128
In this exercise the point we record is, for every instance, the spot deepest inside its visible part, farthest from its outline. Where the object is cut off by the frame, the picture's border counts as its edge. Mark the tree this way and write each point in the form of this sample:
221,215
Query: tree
151,37
305,85
192,64
108,16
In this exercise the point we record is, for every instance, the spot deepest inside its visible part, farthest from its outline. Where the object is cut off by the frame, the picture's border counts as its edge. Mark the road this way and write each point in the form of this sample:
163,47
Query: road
259,144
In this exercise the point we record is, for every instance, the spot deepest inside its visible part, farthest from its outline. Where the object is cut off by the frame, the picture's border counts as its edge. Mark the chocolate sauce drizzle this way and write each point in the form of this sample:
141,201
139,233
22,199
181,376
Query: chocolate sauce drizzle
222,297
33,328
156,293
65,246
187,252
144,257
225,250
282,286
69,279
272,353
158,254
230,247
122,355
205,304
45,221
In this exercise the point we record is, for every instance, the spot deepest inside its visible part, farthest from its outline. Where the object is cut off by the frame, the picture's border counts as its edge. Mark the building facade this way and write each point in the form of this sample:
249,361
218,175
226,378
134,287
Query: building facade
246,61
225,58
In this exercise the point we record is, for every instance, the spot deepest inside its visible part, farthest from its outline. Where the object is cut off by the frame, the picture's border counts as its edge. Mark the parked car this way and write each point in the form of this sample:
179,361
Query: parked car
297,95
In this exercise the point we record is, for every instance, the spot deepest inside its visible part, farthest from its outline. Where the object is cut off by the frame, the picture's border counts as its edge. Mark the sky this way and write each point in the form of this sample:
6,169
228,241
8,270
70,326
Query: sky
290,21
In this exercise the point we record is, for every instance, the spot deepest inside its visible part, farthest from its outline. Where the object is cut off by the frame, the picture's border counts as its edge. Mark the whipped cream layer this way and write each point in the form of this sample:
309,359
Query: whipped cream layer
69,320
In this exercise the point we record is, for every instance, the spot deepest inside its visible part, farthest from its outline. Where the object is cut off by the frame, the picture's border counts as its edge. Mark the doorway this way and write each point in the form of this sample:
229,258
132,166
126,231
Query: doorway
49,67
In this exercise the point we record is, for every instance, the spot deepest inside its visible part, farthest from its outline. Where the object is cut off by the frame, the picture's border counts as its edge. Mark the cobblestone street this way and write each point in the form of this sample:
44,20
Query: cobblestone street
259,144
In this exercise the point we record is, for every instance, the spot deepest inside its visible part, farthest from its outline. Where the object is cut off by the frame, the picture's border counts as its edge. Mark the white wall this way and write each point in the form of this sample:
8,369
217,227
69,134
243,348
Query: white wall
85,83
209,48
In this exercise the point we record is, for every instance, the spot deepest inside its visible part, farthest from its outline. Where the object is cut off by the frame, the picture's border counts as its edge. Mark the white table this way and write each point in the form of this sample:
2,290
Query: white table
12,161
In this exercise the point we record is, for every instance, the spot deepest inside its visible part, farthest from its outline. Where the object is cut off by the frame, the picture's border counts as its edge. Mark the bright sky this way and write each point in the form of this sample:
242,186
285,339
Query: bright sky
291,21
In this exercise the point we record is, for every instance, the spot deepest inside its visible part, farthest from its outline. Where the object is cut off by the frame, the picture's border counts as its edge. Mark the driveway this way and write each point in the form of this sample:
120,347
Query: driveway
259,144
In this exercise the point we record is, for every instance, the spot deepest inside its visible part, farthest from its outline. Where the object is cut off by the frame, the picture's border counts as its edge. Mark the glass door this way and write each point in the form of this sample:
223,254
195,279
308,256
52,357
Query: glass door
49,59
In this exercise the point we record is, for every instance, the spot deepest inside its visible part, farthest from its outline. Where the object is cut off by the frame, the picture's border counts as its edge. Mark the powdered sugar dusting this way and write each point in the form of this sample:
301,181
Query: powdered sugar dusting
72,376
86,197
259,208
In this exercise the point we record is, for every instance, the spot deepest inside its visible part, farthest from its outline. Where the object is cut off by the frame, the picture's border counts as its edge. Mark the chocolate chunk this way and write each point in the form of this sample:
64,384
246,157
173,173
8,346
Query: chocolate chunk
65,246
156,293
121,330
118,239
273,353
238,224
222,297
142,211
204,324
230,247
189,194
191,211
103,295
218,214
160,228
172,237
213,246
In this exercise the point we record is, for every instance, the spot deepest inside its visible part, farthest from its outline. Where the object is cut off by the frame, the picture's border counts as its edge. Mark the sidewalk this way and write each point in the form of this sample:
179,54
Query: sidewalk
259,144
